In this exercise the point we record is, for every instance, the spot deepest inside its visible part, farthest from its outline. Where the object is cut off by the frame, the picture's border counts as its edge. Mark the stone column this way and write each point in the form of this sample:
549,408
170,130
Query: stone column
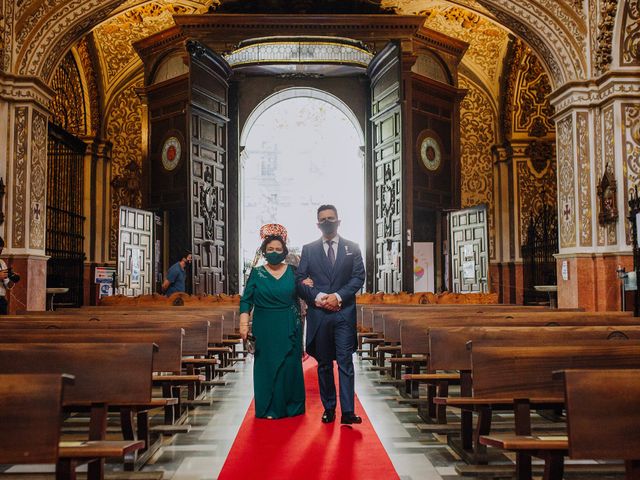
96,211
23,163
598,128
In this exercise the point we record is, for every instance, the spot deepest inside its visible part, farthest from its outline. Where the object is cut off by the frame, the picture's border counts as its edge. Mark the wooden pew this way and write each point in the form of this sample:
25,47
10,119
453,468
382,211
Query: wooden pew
518,378
124,379
31,419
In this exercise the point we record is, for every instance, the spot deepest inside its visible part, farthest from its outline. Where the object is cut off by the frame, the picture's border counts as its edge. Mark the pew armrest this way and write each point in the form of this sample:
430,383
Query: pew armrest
469,402
99,449
431,377
526,442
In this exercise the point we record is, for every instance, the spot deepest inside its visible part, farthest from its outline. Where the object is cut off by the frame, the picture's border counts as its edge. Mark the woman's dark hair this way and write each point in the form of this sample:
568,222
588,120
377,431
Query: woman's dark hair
270,238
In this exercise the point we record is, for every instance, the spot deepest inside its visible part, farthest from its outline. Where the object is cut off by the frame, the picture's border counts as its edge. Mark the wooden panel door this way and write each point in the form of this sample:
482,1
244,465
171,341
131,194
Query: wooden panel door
469,250
135,252
209,91
387,150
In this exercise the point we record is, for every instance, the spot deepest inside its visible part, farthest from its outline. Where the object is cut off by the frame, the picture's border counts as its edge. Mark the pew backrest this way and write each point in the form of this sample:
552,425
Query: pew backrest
615,396
31,417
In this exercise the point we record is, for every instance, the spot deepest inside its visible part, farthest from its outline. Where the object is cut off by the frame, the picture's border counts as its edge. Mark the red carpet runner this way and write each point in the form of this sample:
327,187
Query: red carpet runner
304,448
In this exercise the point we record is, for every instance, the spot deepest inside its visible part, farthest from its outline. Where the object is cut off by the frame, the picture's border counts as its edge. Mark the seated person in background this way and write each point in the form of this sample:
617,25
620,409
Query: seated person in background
176,276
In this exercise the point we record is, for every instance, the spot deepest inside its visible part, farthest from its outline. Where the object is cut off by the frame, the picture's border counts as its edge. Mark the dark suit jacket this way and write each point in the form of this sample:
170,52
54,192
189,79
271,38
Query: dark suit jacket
345,278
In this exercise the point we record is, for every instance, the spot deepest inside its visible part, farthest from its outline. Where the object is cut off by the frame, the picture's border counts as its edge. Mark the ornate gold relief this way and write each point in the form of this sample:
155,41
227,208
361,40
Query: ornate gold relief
20,178
528,110
603,57
124,129
478,133
115,37
38,180
584,179
87,56
630,44
566,178
597,133
487,41
631,142
609,159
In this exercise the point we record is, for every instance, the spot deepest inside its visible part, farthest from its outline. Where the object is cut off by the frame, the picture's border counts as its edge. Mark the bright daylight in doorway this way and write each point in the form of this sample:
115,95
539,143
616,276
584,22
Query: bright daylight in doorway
300,153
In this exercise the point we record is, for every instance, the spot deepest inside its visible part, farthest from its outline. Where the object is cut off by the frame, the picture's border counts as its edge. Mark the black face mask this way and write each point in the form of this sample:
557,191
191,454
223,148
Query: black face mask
328,227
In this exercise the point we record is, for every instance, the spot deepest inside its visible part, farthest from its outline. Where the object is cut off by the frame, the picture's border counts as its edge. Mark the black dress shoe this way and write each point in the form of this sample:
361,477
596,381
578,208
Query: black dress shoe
350,419
329,415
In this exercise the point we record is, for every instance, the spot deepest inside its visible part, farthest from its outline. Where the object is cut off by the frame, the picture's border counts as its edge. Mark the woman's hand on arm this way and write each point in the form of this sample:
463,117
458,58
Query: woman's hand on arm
244,325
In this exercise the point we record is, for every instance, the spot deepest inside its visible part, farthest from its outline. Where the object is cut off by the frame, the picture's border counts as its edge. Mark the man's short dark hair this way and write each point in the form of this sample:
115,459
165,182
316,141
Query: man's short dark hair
322,208
1,242
270,238
186,254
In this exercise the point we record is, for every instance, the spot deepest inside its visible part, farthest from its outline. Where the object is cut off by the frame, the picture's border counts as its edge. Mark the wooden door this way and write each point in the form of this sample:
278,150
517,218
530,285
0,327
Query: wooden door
135,252
469,250
386,151
209,120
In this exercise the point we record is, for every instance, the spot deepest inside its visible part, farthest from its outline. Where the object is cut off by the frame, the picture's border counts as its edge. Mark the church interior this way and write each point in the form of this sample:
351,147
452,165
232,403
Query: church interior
486,156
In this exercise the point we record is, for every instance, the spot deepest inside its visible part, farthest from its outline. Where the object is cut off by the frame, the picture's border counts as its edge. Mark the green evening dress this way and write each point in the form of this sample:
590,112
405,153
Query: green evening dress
277,370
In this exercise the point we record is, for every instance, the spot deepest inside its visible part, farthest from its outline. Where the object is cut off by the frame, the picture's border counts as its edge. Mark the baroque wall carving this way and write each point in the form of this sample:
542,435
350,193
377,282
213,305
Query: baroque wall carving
124,129
528,111
6,34
67,106
20,178
584,179
536,189
115,37
630,42
86,53
604,38
631,143
38,181
487,41
566,178
610,158
478,133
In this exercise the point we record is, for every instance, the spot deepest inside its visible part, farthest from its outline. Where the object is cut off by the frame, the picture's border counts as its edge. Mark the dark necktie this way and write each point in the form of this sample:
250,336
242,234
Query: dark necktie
331,255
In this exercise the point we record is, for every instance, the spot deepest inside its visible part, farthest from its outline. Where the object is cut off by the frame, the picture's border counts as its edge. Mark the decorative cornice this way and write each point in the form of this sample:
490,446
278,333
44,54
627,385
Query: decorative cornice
221,32
15,88
595,93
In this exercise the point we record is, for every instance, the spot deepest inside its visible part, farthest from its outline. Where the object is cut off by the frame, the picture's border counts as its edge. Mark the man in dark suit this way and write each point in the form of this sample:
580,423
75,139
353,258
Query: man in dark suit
335,266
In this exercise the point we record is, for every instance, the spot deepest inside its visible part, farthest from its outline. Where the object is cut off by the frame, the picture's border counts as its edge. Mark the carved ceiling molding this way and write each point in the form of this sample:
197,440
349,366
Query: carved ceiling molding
630,35
487,40
86,54
558,38
114,38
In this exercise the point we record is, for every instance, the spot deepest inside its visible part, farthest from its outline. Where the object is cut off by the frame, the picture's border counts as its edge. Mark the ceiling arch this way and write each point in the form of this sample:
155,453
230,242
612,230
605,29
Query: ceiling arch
551,27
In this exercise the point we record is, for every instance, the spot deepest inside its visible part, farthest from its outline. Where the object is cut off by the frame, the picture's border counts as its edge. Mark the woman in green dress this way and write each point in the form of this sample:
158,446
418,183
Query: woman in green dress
277,370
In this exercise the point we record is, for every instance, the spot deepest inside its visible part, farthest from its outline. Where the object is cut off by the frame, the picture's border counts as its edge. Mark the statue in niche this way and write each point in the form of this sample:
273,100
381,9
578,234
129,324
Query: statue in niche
607,193
300,6
208,203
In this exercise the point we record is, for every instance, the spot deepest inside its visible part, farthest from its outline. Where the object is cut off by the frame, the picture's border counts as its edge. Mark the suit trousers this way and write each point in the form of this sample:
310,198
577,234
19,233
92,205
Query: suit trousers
340,332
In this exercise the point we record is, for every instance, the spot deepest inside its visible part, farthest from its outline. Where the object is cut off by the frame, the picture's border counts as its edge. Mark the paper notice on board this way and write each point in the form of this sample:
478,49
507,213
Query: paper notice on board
469,270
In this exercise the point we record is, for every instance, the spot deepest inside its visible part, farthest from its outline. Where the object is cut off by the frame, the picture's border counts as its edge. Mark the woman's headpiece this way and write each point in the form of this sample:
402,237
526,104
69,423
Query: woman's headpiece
273,229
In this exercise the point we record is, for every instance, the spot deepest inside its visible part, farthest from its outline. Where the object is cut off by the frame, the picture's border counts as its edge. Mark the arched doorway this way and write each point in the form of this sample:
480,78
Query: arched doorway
301,148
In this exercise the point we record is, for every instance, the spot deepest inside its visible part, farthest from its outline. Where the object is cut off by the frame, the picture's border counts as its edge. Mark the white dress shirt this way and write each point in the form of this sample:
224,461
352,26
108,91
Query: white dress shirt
5,282
325,245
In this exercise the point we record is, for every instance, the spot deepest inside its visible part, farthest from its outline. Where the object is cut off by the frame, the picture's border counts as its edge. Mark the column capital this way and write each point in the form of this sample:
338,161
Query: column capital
596,92
17,89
